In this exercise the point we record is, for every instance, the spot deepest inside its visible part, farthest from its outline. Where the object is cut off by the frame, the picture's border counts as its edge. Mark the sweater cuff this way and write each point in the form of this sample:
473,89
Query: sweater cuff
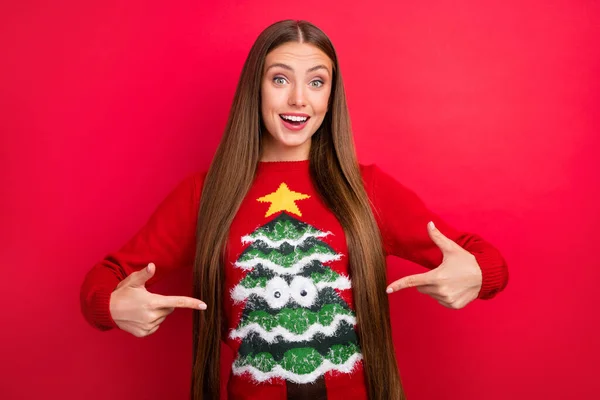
99,307
494,274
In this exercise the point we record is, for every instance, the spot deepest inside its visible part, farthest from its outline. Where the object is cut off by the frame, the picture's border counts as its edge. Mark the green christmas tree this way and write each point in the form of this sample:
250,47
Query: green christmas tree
294,324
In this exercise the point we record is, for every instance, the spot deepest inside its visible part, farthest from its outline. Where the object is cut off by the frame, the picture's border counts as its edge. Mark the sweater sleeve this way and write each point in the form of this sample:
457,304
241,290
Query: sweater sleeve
402,218
167,239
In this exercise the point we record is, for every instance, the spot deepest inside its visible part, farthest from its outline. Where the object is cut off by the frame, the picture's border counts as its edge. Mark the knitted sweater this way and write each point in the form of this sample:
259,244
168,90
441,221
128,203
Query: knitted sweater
288,301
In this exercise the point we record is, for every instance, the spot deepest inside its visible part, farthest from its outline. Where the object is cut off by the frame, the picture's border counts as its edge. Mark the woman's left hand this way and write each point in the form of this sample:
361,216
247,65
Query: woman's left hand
454,283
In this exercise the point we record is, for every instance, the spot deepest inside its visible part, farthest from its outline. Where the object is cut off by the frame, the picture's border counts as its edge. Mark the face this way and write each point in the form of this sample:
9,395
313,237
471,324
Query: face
295,90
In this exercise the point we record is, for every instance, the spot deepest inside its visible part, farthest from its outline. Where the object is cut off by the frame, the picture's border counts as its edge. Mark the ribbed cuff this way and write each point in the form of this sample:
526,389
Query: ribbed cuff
494,273
99,310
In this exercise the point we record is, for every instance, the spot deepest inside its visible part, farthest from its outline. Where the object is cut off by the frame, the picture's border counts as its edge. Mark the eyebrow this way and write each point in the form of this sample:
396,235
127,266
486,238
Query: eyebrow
285,66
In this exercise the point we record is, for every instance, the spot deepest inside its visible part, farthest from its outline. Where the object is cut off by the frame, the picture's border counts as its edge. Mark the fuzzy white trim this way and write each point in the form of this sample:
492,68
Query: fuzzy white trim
240,293
341,283
277,243
294,270
288,336
279,372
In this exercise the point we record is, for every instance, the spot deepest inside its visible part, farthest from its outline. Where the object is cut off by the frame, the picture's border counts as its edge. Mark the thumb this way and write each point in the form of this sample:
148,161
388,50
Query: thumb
139,278
445,244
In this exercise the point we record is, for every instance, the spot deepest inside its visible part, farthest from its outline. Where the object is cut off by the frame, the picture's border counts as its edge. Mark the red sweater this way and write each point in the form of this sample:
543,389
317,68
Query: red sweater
288,298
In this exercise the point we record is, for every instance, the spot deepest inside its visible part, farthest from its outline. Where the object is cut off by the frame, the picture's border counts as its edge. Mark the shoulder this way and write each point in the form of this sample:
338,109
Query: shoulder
198,178
195,178
366,170
190,186
373,175
371,178
380,183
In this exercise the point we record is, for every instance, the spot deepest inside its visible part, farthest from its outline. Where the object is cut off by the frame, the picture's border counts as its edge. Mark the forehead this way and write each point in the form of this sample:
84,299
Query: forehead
298,55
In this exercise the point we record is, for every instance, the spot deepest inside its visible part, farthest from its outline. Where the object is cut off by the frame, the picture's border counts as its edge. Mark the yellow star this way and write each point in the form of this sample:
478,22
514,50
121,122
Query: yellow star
283,199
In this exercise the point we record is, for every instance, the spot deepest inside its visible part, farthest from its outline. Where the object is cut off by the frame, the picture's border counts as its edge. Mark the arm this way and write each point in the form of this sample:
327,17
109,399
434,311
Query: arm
167,240
403,218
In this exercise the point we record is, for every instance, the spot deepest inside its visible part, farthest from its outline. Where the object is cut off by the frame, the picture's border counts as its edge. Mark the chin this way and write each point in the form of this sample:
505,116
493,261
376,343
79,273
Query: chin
293,140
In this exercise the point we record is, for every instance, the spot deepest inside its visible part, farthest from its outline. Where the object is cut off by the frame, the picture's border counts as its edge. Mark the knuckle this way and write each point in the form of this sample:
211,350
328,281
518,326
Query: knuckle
153,304
440,275
449,298
153,316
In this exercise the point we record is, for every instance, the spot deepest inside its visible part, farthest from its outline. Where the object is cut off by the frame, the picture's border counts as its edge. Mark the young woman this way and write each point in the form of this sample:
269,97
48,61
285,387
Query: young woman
287,234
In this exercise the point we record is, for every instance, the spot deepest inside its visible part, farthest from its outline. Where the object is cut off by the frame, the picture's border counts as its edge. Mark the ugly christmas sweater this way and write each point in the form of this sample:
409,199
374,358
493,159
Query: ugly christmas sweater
288,293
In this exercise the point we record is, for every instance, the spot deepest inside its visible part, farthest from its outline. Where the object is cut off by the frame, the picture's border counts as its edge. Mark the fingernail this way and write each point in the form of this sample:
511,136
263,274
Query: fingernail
148,268
431,225
389,290
202,306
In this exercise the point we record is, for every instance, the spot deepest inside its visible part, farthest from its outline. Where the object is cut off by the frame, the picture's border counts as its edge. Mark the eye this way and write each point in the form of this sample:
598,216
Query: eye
279,80
277,292
320,83
303,291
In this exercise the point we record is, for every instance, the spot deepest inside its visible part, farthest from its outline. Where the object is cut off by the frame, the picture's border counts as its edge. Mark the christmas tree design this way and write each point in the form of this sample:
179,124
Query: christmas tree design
294,324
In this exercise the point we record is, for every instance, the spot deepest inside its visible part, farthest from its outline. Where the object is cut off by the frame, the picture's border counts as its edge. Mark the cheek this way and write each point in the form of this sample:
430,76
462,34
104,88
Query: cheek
271,101
320,103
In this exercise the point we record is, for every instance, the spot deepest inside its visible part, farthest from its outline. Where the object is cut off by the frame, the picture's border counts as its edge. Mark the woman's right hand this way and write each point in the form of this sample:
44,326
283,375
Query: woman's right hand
139,312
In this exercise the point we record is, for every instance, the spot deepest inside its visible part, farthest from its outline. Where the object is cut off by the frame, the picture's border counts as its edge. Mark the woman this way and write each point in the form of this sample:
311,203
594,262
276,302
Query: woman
288,234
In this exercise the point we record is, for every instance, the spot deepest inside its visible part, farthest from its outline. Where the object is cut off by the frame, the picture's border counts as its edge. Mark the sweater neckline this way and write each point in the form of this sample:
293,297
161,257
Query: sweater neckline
297,165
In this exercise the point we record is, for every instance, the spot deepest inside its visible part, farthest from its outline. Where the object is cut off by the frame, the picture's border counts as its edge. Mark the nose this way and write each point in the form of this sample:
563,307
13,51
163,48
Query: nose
297,97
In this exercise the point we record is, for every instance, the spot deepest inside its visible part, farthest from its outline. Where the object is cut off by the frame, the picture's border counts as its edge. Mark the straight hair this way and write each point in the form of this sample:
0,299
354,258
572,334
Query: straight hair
335,173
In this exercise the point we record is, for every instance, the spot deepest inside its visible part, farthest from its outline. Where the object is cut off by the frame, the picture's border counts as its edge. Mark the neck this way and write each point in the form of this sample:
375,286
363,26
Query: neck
272,152
282,159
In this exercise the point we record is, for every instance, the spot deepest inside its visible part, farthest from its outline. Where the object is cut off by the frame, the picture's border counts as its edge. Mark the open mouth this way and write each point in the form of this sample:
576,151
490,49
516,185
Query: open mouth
294,120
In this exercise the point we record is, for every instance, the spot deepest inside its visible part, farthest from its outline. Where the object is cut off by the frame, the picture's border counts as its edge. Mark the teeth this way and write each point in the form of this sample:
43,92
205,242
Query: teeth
294,118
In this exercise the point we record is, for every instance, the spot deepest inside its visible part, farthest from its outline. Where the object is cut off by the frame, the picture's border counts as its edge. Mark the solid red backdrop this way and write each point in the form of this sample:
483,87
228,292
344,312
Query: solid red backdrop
488,110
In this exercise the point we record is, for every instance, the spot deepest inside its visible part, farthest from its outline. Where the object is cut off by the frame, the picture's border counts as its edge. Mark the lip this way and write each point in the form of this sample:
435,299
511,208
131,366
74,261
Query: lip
296,114
294,127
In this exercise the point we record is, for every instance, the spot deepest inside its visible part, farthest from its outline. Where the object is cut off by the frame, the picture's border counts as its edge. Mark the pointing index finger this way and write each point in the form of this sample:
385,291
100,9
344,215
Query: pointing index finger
180,302
409,281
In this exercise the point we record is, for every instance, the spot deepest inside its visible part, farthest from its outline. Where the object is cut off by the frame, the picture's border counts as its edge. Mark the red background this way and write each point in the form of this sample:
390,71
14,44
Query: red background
488,110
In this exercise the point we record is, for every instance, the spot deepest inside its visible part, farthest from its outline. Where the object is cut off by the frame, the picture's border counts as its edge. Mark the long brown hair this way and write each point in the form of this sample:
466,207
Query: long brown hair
336,175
